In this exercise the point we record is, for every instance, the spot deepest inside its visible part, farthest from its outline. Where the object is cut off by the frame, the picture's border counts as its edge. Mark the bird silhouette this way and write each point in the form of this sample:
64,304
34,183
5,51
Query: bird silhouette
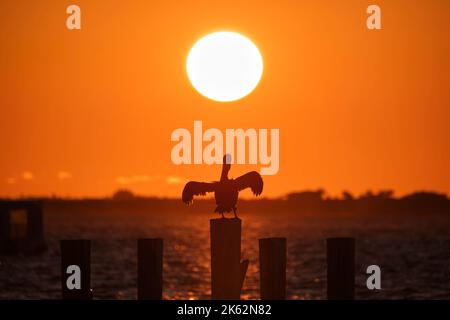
226,190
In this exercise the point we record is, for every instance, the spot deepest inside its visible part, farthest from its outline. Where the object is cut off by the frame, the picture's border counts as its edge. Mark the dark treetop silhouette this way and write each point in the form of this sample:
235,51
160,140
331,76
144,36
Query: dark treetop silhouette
226,190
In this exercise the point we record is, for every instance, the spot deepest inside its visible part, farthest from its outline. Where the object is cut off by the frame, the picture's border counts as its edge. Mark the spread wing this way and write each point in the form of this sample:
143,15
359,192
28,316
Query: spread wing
194,188
252,180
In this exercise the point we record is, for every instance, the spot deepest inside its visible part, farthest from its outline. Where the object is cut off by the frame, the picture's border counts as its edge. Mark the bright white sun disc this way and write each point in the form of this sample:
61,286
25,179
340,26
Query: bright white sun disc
224,66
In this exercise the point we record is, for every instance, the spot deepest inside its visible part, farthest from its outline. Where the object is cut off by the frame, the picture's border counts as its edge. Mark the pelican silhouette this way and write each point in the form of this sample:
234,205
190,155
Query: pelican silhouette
226,190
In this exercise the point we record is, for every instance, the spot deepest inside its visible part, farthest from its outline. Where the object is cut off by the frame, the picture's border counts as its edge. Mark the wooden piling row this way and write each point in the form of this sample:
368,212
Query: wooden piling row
227,271
76,269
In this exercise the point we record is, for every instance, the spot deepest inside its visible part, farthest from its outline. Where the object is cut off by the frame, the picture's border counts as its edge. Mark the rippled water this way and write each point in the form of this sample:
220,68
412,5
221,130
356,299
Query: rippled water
414,255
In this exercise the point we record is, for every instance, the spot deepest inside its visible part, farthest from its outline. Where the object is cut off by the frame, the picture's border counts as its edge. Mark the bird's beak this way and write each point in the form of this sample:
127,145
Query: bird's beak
227,158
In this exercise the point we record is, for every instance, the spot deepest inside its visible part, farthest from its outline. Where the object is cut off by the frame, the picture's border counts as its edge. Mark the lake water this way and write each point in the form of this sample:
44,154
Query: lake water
414,254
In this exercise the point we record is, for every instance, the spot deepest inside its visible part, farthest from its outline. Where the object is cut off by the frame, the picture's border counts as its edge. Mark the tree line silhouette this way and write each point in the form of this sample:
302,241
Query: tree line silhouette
303,202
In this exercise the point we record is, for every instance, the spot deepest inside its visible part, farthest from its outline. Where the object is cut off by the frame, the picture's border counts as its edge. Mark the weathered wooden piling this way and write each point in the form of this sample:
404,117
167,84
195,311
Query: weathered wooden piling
341,268
36,224
272,268
21,227
227,271
4,229
76,269
150,269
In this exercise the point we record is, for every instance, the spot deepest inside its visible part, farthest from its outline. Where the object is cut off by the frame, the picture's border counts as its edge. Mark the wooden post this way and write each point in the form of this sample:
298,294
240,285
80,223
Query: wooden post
35,223
21,227
76,269
4,228
36,227
227,271
150,269
341,269
272,266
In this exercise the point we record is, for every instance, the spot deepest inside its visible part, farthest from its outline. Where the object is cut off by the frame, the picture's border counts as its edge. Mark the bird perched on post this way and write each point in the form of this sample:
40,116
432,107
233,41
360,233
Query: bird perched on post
226,190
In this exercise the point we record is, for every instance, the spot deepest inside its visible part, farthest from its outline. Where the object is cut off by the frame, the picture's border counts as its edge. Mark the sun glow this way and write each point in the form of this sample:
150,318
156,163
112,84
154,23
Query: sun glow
224,66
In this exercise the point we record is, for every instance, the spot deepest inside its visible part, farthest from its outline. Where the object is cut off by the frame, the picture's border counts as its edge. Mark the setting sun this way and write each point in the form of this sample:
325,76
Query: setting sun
224,66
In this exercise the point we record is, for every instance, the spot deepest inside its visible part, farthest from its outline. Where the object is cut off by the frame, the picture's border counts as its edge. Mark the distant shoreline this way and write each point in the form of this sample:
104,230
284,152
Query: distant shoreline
306,202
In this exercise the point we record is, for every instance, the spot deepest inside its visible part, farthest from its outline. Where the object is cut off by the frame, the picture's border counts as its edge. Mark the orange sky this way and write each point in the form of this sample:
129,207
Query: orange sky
86,112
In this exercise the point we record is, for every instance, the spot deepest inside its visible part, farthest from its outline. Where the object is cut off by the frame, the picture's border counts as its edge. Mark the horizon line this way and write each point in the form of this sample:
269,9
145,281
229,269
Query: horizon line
324,196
